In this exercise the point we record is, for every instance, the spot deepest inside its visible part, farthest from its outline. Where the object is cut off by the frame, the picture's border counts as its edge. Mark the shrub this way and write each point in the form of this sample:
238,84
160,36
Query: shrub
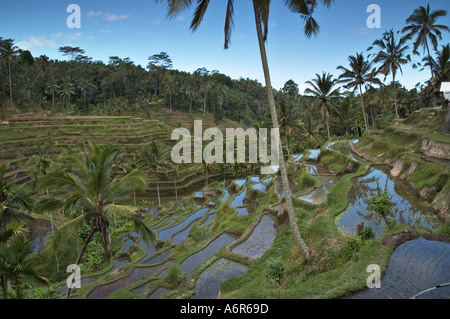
367,233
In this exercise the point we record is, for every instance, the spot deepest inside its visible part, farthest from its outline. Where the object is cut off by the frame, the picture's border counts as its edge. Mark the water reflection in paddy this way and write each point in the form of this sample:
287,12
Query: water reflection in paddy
195,260
260,240
208,284
375,182
414,266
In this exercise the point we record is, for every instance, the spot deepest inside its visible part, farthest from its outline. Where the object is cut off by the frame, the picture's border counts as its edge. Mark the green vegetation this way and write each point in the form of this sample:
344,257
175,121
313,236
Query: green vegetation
84,151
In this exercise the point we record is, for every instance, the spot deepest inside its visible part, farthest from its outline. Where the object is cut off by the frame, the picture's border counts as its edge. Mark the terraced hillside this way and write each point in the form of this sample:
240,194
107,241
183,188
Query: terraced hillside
417,152
24,138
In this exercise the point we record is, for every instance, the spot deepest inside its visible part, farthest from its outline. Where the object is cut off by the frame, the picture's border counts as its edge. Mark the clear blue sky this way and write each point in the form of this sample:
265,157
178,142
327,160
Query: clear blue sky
138,29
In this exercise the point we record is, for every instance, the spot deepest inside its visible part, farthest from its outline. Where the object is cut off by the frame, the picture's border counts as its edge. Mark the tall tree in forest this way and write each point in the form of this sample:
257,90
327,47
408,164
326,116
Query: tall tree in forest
8,51
358,75
391,55
422,25
157,66
323,89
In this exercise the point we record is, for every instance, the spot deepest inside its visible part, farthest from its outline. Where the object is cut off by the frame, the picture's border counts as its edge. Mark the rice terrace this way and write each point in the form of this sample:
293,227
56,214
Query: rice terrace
311,166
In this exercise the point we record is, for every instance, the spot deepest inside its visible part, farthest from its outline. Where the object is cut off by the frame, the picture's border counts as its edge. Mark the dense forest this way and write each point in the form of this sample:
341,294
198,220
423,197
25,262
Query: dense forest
341,102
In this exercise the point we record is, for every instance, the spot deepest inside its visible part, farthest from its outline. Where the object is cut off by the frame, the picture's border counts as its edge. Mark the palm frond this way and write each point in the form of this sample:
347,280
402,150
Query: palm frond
55,239
229,24
143,230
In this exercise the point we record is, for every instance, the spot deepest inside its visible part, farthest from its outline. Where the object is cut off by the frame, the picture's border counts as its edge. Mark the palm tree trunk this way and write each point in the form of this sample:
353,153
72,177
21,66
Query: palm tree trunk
287,143
157,189
4,287
327,120
86,242
432,74
395,95
53,100
176,191
291,213
10,80
366,124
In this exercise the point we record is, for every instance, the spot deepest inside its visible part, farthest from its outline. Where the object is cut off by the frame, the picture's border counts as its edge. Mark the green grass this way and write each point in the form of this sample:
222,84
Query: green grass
428,174
335,160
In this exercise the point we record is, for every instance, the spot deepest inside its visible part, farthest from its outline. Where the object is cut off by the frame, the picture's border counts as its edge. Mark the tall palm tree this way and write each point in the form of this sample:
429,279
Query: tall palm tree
261,8
358,75
89,189
155,158
286,119
309,128
18,264
347,113
422,25
440,65
85,86
7,51
392,55
51,88
190,92
323,90
66,90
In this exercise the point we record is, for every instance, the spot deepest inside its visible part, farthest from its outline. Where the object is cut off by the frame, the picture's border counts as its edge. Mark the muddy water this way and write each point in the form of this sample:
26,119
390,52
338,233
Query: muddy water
319,195
413,267
260,240
195,260
103,292
343,147
158,258
208,284
375,182
157,293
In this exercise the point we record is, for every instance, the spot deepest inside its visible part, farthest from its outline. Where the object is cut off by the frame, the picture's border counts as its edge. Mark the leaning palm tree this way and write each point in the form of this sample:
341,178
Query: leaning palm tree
422,25
391,56
305,9
323,90
358,75
18,264
89,189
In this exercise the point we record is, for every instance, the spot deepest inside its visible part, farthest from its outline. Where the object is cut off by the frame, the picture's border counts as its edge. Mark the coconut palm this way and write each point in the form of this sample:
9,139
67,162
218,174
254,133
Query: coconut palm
66,90
191,93
89,189
323,90
7,51
18,264
286,120
13,217
261,13
347,113
358,75
85,86
440,65
154,157
391,56
422,25
51,88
